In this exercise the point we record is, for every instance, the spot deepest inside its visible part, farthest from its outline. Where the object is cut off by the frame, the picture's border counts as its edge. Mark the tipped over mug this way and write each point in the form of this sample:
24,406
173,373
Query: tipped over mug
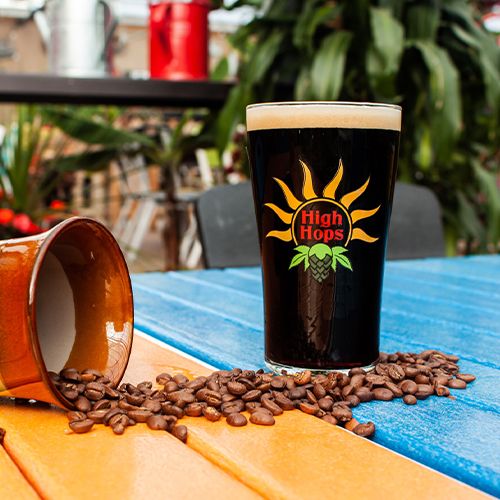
65,301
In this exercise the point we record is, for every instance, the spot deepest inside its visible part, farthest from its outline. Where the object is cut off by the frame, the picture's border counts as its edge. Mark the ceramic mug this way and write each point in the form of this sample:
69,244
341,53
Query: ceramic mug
65,301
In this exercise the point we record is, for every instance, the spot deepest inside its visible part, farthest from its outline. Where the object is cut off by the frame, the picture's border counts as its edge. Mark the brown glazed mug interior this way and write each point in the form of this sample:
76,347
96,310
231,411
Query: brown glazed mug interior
80,304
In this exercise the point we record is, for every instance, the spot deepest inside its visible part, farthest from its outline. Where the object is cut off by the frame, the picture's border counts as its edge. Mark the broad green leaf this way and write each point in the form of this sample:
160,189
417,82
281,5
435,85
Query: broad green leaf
92,131
338,250
263,55
334,262
306,263
91,161
220,71
302,249
327,73
312,16
422,22
297,259
302,90
344,261
445,104
388,35
423,151
470,224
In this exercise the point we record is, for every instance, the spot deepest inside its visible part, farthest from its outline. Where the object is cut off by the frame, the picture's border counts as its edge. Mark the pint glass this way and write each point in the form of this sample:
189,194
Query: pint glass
323,177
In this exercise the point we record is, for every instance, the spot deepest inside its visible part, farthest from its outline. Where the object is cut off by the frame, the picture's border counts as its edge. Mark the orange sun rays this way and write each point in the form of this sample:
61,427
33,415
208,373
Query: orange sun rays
330,192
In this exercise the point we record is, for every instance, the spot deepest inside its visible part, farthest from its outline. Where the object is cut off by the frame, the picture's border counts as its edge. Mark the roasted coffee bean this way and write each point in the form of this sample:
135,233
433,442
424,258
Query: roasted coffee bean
297,393
213,385
102,404
348,390
170,386
353,400
83,404
163,378
351,424
194,410
94,391
140,416
70,374
236,420
152,405
118,428
111,413
466,377
424,391
394,389
441,391
252,406
236,388
408,386
375,380
396,372
157,423
253,395
357,380
330,419
319,391
262,418
97,415
421,379
356,371
308,408
382,394
135,399
270,405
442,379
180,432
283,402
210,413
410,399
81,426
170,409
115,419
364,394
111,393
74,416
365,430
341,413
326,404
302,378
311,397
70,394
456,383
226,398
197,383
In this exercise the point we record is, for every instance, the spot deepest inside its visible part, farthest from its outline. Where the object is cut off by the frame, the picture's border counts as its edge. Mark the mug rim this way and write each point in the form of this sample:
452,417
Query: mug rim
46,244
339,104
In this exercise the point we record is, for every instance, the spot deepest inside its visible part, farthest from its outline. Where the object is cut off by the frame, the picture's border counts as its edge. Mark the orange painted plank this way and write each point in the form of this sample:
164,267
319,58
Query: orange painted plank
12,482
301,456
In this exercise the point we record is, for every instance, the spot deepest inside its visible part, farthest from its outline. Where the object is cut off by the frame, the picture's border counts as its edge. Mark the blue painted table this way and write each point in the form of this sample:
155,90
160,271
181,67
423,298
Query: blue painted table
448,304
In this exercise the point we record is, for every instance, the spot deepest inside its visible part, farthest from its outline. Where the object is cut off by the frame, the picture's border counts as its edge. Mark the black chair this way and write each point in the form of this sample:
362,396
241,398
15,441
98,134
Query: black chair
227,227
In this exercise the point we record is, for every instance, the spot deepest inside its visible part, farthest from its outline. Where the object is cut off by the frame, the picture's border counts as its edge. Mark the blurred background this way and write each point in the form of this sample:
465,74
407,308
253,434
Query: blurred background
129,111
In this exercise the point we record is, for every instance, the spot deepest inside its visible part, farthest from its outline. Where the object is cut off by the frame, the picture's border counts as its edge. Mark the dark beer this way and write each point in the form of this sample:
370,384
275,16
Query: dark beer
323,178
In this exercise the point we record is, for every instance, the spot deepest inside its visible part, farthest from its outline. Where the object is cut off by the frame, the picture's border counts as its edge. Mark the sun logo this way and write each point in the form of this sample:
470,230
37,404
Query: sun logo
321,226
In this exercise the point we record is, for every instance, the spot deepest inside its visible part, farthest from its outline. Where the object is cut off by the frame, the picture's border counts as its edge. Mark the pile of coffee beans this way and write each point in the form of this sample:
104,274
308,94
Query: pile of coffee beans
230,394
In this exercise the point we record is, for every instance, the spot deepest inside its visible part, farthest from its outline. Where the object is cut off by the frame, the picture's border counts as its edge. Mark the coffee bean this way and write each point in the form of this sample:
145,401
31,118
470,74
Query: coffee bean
70,374
302,378
410,399
210,413
395,372
325,404
252,395
180,432
443,379
83,404
357,380
356,371
364,394
157,423
194,410
351,424
365,430
382,394
297,393
97,415
348,390
456,383
375,380
394,389
110,414
152,405
75,416
283,402
422,379
163,378
319,391
115,419
197,383
236,420
252,406
441,391
424,391
330,419
308,408
409,386
70,394
139,415
261,418
81,426
236,388
341,413
353,400
94,391
170,409
271,406
466,377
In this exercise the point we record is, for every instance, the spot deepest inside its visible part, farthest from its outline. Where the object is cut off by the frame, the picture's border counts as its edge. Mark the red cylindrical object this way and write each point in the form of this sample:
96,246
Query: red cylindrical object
178,39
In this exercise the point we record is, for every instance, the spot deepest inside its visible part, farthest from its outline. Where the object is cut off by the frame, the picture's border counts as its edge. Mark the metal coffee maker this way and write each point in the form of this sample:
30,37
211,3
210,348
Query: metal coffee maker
78,36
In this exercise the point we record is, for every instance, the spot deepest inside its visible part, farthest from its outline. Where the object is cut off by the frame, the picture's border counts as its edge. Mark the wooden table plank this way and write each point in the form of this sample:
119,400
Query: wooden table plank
217,316
12,483
140,464
301,457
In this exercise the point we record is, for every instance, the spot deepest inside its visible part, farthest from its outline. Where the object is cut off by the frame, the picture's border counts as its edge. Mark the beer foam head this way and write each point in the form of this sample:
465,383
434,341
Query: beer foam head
268,116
